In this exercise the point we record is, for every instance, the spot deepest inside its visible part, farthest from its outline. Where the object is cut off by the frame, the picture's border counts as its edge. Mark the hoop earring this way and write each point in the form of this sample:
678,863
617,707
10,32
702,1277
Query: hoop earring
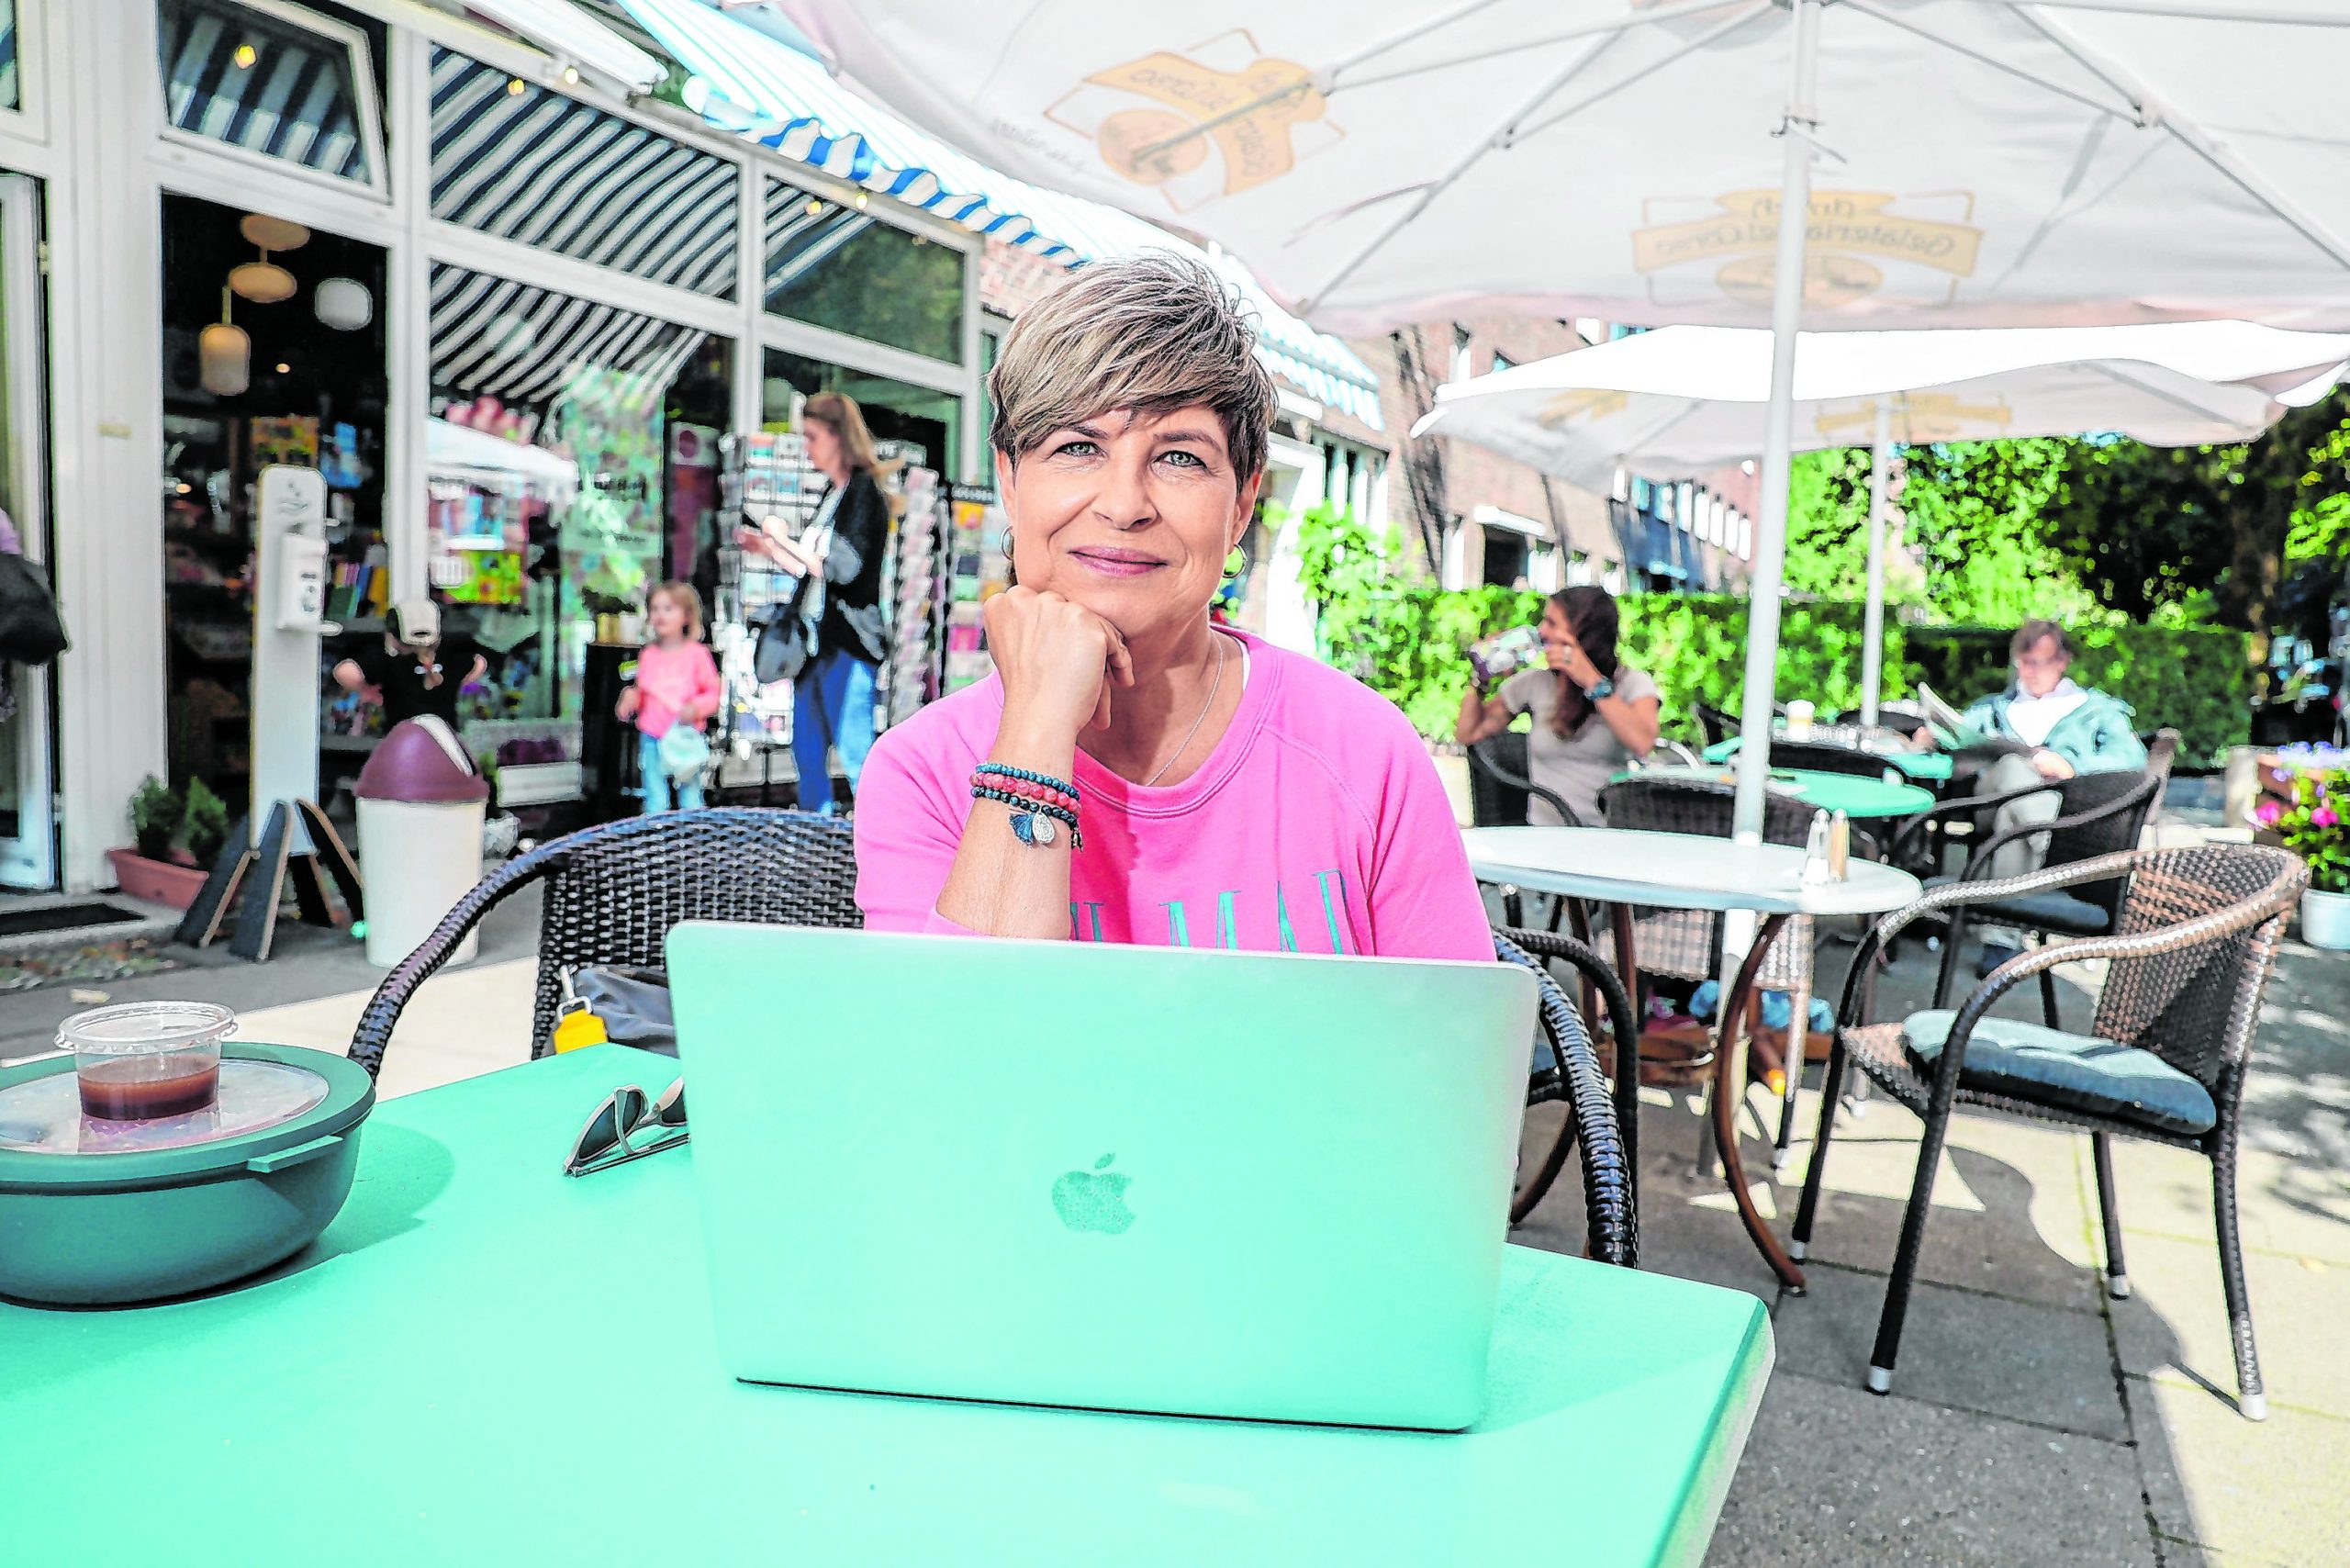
1010,566
1236,566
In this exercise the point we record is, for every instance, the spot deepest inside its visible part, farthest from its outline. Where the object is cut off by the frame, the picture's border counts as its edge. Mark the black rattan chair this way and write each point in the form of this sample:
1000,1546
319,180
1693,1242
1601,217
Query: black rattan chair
2098,815
613,893
1502,795
1600,984
2190,950
1611,1209
1828,756
1501,789
1687,944
1714,724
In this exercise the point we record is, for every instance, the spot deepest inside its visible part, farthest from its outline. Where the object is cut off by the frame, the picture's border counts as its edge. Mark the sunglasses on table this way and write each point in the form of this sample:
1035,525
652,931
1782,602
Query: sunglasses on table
628,1125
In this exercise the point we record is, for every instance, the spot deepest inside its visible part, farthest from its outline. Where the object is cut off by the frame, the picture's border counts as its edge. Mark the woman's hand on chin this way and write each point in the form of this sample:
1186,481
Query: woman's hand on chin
1058,661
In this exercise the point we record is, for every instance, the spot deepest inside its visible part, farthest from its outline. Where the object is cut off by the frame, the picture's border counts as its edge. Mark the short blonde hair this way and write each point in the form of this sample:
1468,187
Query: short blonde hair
688,598
1153,333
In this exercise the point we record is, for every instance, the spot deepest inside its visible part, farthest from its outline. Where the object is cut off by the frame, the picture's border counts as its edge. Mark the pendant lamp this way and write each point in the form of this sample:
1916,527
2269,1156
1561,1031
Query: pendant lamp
264,282
344,303
224,353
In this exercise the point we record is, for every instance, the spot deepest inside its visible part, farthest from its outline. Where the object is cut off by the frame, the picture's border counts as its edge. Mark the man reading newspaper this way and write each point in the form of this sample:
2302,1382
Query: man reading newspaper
2044,726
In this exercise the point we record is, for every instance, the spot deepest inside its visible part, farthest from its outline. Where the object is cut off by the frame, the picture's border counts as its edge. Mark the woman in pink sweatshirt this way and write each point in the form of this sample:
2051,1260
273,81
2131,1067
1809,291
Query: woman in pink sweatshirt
677,683
1131,773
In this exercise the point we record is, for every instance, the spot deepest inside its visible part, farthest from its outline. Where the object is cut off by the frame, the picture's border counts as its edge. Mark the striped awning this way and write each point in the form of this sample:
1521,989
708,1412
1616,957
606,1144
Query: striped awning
527,345
290,97
514,160
754,87
9,83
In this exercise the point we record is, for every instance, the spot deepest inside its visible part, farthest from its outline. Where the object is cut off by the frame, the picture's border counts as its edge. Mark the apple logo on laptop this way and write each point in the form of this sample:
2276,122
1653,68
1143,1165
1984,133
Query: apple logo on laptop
1093,1200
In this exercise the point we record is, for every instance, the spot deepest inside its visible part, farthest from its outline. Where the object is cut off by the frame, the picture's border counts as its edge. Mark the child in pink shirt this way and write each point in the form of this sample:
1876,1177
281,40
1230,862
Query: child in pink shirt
677,682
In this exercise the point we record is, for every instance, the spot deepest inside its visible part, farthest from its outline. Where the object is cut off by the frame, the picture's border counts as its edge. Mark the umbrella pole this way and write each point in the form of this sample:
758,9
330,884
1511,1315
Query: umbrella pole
1872,625
1770,527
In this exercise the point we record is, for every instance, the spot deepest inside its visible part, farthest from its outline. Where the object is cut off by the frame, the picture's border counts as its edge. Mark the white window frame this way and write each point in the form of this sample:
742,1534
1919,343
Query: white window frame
354,42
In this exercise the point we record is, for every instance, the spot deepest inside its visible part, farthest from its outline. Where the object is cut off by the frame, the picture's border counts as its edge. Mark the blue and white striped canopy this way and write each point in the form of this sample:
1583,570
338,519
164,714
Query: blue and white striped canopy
754,87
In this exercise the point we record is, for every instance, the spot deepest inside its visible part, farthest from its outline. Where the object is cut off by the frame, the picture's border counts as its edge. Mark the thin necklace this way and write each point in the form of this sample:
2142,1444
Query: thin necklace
1223,652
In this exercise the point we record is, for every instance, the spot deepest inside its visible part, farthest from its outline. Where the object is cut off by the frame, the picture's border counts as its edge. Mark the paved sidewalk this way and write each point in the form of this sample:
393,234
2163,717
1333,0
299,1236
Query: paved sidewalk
2034,1420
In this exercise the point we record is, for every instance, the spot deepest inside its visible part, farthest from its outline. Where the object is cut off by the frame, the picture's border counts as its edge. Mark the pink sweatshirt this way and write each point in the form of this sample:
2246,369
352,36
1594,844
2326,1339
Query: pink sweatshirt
1318,825
670,683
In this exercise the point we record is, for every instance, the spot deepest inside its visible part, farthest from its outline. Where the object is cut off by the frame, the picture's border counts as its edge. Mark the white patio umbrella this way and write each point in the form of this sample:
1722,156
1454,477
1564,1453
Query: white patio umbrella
1683,401
1988,163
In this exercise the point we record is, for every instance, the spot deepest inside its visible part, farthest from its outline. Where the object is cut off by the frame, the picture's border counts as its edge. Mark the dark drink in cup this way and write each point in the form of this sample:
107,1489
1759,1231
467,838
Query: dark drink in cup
145,1060
113,1098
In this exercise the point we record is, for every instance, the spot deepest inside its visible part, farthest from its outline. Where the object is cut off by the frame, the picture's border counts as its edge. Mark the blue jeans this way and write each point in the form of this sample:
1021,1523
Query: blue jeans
832,705
657,779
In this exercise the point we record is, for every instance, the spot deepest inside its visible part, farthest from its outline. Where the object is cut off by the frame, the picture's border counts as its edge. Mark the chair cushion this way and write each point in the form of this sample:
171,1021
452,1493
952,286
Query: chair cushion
2055,910
2079,1072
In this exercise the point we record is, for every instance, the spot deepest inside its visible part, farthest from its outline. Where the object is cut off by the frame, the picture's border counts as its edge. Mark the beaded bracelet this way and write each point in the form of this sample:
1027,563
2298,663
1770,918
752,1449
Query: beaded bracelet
1049,794
1032,819
1045,779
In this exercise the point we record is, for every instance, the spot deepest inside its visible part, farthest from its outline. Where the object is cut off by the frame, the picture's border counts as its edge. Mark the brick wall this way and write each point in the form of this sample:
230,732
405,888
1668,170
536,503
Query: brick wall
1474,476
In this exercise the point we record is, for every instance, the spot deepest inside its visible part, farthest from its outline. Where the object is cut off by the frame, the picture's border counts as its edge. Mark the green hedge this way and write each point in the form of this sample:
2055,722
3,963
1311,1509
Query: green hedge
1695,644
1410,648
2196,680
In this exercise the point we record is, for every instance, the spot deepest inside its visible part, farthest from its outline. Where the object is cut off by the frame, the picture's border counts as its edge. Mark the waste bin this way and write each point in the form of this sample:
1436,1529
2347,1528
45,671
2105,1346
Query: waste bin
420,807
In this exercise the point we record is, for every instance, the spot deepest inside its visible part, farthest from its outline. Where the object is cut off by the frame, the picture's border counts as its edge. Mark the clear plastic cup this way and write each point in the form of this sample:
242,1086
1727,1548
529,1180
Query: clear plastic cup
144,1060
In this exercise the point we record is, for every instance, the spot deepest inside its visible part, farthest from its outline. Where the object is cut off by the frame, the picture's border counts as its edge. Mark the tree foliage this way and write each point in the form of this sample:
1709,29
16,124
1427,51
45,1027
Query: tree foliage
2147,528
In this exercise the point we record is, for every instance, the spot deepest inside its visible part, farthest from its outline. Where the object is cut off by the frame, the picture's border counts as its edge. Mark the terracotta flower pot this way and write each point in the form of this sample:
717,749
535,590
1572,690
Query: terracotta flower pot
155,881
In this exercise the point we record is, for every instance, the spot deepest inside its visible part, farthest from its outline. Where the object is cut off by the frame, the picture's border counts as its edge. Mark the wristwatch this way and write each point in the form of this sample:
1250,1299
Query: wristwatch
1601,688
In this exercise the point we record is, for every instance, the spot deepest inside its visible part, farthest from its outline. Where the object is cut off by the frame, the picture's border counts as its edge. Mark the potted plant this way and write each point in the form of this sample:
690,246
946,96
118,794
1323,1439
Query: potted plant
155,816
206,823
2310,822
154,871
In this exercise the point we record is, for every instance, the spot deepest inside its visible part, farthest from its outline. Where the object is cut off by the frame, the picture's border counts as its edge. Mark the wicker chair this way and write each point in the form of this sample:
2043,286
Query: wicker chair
1714,724
1599,984
1501,787
2098,815
1611,1209
613,892
2190,950
1687,944
1501,794
1828,756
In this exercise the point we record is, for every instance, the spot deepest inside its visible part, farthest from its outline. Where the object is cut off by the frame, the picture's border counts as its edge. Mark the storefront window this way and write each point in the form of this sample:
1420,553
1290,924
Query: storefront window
836,266
920,424
514,160
570,455
256,80
250,382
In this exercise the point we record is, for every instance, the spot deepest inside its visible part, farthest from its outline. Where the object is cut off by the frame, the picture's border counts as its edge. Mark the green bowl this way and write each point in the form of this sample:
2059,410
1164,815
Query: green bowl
85,1230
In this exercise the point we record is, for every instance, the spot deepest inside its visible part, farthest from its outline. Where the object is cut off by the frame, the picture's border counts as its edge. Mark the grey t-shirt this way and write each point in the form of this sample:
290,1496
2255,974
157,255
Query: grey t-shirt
1578,765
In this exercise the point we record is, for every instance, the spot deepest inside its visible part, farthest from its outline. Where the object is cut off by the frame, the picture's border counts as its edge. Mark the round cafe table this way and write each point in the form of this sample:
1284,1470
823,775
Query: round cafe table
1923,766
1846,792
1675,870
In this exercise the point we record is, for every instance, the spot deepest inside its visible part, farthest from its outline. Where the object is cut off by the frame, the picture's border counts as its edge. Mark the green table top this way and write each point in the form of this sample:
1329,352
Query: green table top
485,1362
1933,767
1846,792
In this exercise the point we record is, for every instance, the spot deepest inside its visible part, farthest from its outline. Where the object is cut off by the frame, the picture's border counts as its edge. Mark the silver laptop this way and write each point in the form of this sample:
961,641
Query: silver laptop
1125,1178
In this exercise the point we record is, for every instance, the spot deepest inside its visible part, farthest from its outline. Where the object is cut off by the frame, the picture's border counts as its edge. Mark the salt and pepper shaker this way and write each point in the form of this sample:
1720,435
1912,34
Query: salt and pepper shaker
1840,846
1815,853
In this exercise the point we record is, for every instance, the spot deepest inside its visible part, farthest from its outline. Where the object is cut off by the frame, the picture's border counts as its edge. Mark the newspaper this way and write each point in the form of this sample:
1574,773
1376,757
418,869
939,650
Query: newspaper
1953,732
